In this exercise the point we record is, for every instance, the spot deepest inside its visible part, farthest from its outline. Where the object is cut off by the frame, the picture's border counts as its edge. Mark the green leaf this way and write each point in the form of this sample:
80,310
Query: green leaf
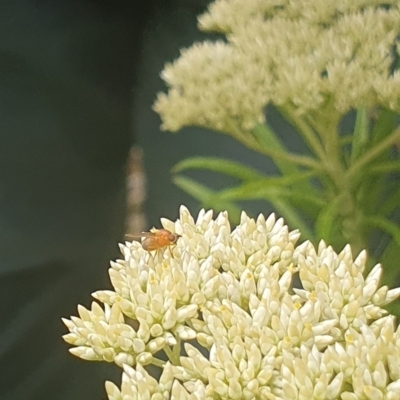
346,139
390,262
302,197
221,201
385,167
307,130
220,165
292,218
268,139
273,195
249,191
384,125
267,188
385,225
372,178
360,136
390,204
207,197
325,224
196,190
391,276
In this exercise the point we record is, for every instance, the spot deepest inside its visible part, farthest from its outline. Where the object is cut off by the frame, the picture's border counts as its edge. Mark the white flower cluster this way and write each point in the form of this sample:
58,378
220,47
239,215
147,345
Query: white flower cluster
257,336
303,54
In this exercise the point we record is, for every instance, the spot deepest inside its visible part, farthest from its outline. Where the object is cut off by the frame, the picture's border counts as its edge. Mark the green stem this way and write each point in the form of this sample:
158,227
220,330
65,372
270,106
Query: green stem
250,141
385,167
374,152
326,126
360,135
157,362
177,351
333,164
172,356
304,129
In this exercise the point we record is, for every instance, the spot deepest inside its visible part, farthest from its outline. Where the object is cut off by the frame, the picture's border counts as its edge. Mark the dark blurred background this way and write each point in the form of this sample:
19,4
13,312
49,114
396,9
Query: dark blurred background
67,72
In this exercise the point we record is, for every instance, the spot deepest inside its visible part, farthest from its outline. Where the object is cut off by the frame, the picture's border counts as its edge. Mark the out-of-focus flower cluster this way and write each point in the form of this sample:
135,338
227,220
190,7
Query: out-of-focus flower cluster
257,337
305,55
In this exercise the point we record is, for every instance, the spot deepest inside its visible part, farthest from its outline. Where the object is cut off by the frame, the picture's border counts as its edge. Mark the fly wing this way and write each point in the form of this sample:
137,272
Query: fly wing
149,242
139,235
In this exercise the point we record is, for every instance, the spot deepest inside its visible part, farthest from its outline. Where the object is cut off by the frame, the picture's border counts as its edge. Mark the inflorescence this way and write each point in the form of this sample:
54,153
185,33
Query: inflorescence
228,299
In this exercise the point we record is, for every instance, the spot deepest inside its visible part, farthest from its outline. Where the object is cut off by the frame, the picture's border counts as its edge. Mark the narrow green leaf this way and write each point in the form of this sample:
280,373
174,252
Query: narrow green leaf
196,190
346,139
373,154
385,167
248,191
309,202
390,204
292,218
369,196
307,130
274,196
300,200
390,262
385,225
268,139
263,187
384,125
219,202
360,135
207,197
391,277
220,165
324,225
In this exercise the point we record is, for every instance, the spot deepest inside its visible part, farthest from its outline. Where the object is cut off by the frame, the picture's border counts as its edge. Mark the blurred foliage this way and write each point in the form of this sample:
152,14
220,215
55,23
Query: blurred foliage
348,203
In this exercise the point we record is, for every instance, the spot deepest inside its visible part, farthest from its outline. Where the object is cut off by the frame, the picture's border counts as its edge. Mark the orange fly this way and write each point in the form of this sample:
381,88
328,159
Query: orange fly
156,239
